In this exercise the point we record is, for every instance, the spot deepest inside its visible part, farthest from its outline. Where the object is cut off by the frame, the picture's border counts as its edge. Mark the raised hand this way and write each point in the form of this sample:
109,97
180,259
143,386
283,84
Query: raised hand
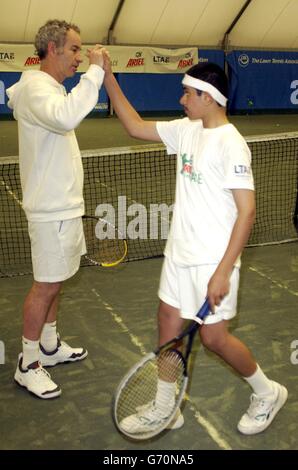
96,55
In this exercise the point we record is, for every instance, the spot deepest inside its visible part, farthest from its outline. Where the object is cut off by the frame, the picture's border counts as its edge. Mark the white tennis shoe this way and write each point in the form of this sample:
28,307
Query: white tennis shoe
148,418
62,353
262,410
36,379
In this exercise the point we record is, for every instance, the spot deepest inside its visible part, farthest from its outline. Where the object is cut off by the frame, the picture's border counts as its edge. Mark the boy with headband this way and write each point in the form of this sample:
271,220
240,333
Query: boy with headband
213,216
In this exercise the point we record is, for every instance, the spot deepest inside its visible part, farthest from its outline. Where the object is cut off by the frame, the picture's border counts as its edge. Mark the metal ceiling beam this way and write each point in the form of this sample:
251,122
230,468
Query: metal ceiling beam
225,41
110,39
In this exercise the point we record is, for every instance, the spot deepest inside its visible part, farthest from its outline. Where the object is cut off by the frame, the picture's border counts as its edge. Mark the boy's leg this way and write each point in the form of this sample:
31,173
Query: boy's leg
149,415
268,396
169,322
217,338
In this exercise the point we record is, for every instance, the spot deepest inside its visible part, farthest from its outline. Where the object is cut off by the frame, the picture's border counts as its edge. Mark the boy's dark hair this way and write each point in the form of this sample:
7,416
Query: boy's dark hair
213,74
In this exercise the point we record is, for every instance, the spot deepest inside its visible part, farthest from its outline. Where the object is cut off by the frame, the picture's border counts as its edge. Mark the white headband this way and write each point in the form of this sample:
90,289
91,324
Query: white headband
204,86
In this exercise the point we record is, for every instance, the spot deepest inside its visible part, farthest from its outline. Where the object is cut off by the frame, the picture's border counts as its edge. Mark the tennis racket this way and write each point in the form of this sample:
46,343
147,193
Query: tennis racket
149,395
105,244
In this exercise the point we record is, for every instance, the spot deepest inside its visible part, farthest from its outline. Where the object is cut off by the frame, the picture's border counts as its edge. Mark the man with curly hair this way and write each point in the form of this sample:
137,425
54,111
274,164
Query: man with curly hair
52,182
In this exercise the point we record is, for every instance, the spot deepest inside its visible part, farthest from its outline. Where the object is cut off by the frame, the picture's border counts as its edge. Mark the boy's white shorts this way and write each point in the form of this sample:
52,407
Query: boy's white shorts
56,249
185,288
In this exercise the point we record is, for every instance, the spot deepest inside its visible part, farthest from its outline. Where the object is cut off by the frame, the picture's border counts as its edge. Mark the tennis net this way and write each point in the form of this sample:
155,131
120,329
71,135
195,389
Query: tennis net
134,189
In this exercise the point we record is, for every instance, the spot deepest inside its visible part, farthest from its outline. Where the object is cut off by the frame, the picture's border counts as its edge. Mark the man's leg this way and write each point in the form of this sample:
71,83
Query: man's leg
37,305
48,338
41,300
52,350
29,373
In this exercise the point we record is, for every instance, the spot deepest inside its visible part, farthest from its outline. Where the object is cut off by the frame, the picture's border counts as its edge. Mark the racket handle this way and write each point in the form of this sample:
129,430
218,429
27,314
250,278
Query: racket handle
203,312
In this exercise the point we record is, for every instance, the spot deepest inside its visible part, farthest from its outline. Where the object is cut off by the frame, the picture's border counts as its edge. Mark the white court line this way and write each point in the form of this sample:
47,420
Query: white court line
273,281
11,193
117,318
210,429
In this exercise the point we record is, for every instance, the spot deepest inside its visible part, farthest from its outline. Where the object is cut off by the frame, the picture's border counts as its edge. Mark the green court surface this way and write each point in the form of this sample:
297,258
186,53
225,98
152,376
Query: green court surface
108,132
112,312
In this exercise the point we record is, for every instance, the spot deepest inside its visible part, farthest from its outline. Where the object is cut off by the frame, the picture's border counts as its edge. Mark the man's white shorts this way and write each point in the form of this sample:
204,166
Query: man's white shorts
185,288
56,249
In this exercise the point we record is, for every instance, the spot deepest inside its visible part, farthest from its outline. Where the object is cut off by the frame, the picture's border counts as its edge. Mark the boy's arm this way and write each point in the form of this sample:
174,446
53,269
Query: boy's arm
131,120
219,284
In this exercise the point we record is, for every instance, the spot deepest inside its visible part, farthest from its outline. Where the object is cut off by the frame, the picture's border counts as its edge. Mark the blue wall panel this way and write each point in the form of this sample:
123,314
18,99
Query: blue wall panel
160,92
7,79
152,92
263,80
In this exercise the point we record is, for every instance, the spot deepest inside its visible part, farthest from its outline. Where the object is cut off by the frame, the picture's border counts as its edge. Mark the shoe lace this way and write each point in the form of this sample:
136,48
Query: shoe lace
150,412
259,406
42,373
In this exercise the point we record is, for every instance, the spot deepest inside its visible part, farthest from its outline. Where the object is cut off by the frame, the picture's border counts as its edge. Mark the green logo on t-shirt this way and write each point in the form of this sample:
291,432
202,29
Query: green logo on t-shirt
187,169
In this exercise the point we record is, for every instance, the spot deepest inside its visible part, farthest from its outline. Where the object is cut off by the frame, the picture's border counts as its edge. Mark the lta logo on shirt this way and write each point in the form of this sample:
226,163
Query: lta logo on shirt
187,169
242,170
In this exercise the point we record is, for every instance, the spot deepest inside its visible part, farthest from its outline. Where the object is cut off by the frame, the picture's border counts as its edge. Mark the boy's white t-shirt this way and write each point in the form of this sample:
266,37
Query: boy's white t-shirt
210,163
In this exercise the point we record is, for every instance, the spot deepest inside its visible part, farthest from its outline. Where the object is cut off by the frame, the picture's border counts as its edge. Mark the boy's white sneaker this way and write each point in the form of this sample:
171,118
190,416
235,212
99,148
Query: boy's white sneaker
148,418
262,410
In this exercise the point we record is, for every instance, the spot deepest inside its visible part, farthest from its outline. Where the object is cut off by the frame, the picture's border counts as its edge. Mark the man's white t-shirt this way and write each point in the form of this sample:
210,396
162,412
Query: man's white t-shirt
210,163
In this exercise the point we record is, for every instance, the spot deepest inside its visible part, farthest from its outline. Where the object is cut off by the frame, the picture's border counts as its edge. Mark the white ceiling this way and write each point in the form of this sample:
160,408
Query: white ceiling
264,23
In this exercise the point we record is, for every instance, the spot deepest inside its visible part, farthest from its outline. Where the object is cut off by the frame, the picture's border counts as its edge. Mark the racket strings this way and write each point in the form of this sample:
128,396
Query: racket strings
103,251
109,251
149,397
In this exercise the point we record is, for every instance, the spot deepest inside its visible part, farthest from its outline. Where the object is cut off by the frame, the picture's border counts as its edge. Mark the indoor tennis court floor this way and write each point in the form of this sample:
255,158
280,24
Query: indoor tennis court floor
112,312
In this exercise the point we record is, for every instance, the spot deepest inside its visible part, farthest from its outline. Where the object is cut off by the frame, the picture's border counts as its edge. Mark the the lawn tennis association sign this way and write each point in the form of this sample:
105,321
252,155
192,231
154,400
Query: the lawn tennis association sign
244,60
263,80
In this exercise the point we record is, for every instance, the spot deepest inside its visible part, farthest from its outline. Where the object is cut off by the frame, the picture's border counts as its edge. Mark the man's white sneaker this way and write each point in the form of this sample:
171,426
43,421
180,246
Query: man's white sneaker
63,353
262,410
36,379
149,417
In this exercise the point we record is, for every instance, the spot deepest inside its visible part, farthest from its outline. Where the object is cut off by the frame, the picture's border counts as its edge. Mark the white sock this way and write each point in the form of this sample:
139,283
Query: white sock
165,396
30,352
260,384
48,337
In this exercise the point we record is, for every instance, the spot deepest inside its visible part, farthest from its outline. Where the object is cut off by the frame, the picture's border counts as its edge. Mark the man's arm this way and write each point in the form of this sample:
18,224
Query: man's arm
131,120
219,284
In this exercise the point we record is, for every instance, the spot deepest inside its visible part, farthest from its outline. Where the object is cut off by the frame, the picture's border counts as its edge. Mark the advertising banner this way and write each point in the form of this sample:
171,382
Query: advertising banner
263,80
125,59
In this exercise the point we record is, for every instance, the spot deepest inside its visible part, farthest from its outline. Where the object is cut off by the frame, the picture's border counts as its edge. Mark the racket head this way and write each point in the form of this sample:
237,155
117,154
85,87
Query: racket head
135,395
106,252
